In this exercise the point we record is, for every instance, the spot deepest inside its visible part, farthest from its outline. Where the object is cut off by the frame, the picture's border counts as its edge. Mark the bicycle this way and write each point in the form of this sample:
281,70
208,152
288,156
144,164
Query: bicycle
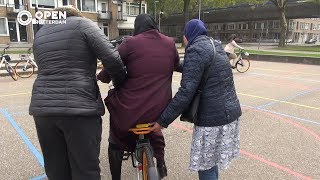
243,63
25,68
142,157
5,58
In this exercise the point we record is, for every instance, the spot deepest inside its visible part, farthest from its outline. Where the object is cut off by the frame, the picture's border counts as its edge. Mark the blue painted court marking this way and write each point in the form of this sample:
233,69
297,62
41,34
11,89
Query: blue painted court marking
281,114
39,177
31,147
290,97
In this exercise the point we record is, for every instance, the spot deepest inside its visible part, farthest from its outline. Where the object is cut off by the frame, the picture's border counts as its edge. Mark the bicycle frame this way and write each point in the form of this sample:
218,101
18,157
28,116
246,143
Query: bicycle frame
28,58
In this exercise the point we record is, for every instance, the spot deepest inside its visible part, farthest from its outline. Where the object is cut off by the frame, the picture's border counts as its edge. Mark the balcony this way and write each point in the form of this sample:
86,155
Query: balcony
14,9
104,15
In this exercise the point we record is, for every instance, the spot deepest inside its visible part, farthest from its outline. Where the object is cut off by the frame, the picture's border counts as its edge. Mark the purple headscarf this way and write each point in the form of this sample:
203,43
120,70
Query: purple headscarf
193,29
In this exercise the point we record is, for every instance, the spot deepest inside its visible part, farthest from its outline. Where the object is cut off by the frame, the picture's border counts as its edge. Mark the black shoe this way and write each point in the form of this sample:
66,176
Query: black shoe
162,169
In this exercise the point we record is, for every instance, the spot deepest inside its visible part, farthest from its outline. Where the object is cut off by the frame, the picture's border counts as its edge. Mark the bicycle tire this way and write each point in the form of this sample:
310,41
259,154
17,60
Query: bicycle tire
149,170
243,65
144,166
11,72
24,69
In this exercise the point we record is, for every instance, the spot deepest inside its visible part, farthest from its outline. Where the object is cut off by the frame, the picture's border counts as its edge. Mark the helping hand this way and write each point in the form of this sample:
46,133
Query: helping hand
156,127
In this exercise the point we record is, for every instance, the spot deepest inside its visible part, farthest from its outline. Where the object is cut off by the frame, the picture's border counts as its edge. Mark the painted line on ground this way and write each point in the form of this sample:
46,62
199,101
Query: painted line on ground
30,146
295,72
285,102
290,97
282,114
300,79
270,163
310,132
273,164
16,94
39,177
278,82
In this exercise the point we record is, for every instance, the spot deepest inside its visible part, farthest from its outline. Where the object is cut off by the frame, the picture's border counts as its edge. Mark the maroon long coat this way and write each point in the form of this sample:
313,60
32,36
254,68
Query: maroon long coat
150,58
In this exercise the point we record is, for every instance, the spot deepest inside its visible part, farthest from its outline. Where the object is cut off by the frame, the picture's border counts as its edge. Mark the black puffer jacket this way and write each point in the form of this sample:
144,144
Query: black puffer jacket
219,104
67,58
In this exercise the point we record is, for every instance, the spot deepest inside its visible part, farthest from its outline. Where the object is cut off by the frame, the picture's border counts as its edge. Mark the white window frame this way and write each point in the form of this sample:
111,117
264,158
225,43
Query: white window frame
6,22
129,4
5,2
55,5
96,6
232,24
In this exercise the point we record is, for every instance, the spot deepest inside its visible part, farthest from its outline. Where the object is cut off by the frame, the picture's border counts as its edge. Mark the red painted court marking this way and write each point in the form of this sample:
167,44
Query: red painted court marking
287,121
274,165
270,163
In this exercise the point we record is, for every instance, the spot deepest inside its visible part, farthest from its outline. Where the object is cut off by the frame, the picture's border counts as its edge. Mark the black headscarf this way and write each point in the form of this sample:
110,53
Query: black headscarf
144,22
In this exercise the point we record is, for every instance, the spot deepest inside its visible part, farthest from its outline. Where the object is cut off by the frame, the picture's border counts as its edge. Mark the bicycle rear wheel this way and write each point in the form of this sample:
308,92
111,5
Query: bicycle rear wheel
11,72
24,69
242,65
149,171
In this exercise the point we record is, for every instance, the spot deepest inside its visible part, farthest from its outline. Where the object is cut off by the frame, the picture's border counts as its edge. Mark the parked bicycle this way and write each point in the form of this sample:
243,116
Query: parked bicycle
243,64
25,68
5,59
142,157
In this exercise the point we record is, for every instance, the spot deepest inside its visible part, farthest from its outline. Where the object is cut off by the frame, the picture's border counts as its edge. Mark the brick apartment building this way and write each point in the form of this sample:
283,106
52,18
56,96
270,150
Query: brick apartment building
113,17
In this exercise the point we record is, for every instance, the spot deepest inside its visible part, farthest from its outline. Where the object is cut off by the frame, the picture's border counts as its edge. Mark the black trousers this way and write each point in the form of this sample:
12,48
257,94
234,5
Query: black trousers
70,146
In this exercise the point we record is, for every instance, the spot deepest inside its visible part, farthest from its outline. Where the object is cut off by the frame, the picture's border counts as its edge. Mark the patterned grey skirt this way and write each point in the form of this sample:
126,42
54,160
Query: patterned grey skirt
214,146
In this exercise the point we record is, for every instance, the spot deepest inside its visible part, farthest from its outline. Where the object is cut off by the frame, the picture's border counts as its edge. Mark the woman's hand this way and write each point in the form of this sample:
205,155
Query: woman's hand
156,127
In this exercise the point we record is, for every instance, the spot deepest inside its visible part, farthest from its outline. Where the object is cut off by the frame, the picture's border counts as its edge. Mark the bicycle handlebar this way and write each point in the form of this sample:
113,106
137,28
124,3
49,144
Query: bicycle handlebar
4,50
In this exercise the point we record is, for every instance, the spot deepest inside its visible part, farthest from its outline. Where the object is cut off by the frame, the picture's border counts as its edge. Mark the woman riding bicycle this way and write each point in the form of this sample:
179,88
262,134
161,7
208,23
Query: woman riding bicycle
230,49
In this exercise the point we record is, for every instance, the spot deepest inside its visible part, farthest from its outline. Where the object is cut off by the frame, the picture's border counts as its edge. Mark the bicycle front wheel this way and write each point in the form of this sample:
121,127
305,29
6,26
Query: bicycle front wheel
11,72
24,69
242,65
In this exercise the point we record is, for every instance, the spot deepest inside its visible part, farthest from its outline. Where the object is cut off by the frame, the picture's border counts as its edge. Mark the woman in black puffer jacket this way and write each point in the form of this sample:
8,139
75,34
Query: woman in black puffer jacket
215,139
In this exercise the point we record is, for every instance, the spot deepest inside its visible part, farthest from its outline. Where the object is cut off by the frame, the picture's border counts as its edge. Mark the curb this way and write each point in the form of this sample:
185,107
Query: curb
286,59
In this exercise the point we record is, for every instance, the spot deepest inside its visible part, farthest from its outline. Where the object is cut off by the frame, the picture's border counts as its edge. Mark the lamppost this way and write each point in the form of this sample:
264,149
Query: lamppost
160,19
199,9
155,10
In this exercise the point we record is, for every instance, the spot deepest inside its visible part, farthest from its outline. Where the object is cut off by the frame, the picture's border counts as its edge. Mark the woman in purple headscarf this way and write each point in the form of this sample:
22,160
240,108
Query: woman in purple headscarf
215,140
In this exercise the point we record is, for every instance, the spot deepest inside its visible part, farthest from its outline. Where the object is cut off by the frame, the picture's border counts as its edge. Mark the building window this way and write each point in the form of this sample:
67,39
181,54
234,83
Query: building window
276,24
87,5
133,9
3,26
259,25
292,24
302,26
43,3
243,26
307,26
2,2
231,26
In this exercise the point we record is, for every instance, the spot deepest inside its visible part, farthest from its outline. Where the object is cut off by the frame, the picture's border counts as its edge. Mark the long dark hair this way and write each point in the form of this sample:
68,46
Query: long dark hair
232,37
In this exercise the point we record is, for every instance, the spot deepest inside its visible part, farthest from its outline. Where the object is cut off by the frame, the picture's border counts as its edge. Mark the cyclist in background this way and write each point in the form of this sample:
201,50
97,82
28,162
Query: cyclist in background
230,49
150,58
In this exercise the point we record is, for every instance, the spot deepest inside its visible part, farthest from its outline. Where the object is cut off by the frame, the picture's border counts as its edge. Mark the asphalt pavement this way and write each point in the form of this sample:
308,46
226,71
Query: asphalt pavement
280,128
